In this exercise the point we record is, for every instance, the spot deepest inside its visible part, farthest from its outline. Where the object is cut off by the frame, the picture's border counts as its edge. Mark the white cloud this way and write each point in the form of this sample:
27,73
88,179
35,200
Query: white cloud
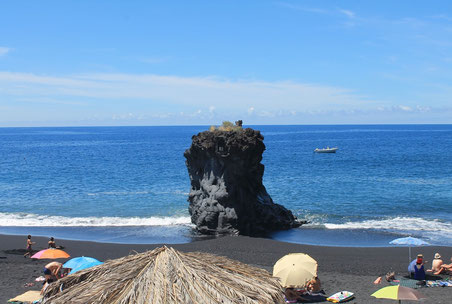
406,108
4,50
303,8
347,13
127,99
182,91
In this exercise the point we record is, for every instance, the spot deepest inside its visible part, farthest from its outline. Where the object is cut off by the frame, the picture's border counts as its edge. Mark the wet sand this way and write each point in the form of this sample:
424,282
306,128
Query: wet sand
339,268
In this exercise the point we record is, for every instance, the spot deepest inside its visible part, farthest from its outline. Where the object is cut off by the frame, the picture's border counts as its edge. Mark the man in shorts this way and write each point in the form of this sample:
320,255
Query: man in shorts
52,270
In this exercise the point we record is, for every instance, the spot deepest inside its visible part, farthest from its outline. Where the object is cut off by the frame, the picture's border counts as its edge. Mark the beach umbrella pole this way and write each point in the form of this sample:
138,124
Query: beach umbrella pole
409,255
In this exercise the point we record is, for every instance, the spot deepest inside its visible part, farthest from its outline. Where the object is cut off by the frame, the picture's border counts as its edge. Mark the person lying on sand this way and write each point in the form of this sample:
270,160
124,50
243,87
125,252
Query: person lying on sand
436,264
445,268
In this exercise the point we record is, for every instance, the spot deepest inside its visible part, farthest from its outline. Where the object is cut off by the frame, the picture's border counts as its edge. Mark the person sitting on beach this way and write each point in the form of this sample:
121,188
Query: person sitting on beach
445,268
314,286
419,272
51,243
29,249
293,296
436,264
51,271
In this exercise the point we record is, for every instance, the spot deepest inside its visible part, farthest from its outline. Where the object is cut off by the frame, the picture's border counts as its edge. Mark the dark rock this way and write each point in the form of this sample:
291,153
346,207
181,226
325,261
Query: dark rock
227,195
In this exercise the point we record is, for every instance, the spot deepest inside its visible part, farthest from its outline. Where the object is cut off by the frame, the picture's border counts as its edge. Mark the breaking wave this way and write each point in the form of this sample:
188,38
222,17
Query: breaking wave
434,231
35,220
397,224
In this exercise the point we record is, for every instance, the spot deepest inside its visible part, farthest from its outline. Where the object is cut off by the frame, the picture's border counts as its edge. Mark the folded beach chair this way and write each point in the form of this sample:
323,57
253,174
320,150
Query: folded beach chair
27,297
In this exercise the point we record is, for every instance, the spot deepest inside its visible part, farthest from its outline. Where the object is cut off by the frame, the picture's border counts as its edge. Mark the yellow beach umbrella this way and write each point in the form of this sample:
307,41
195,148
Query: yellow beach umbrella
295,269
398,292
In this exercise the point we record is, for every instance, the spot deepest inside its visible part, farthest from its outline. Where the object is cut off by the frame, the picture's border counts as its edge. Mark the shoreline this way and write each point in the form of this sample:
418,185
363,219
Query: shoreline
182,234
339,268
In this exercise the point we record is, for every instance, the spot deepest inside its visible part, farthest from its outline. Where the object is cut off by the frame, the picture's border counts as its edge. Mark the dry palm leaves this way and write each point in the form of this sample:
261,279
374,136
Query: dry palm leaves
165,275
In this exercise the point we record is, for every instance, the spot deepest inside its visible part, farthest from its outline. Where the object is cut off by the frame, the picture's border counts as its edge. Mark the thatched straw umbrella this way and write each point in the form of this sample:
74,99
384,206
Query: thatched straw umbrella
165,275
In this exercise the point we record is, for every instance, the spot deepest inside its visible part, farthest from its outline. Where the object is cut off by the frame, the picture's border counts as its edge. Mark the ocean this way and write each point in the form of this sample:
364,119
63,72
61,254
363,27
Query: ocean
130,184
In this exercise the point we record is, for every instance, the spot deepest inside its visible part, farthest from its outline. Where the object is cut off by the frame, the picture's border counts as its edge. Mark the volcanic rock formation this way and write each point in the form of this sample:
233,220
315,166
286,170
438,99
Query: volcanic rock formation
227,195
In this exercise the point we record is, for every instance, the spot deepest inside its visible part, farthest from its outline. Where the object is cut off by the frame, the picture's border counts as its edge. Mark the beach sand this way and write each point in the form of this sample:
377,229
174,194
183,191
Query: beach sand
339,268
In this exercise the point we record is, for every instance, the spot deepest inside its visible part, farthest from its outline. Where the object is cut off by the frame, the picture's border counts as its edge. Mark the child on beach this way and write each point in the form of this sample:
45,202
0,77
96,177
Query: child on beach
29,249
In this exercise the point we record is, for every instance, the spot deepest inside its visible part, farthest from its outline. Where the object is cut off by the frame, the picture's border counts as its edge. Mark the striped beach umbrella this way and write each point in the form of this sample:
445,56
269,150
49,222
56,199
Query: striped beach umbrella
51,254
399,293
410,242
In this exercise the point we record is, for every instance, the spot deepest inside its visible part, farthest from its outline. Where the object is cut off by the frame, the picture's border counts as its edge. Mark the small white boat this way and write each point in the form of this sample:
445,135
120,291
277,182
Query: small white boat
326,150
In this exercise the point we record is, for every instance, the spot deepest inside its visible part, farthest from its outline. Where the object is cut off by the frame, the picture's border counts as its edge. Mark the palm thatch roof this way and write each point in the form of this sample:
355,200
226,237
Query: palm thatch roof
165,275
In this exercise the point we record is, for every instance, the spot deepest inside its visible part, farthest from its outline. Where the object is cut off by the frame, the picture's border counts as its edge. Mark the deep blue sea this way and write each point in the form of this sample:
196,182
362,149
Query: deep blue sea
130,184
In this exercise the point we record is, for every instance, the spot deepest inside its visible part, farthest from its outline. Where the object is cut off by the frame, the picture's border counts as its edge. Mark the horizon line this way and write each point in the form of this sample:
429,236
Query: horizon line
208,125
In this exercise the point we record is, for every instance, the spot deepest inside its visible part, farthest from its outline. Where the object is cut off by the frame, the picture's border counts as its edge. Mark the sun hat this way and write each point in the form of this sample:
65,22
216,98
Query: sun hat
420,256
437,256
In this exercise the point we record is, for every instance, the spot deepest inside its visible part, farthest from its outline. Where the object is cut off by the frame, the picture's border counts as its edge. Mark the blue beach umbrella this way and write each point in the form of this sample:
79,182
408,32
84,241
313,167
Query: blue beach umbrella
410,242
77,264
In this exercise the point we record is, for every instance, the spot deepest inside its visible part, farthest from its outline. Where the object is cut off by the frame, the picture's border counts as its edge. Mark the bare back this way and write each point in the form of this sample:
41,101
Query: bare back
436,264
53,265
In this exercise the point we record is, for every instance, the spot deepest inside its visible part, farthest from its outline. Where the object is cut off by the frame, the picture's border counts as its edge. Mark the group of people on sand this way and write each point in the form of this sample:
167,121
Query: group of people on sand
29,250
416,267
438,267
53,270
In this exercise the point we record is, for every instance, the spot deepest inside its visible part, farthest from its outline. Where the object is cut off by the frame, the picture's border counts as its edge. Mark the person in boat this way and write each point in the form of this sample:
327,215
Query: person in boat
436,264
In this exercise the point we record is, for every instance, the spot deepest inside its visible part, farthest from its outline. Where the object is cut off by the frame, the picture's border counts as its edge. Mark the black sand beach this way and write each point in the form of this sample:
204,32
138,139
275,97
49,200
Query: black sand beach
340,268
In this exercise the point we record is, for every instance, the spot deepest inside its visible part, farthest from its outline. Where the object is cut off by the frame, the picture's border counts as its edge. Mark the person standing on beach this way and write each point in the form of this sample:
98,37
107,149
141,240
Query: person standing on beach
29,249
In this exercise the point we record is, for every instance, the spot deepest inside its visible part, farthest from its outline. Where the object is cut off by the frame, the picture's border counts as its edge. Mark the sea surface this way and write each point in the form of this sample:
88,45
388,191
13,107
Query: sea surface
130,184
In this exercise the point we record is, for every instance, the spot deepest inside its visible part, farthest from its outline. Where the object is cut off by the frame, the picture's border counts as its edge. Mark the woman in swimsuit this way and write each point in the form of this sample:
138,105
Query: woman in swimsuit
29,249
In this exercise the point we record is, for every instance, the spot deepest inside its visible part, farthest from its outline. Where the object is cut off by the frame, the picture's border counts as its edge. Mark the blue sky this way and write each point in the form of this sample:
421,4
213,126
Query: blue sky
71,63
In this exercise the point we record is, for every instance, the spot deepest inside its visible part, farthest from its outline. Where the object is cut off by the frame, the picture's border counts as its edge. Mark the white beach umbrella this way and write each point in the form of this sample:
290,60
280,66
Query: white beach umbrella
410,242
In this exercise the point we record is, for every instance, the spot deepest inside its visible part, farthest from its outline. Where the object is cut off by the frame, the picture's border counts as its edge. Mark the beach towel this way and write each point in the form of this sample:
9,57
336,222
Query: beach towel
310,298
439,283
341,296
27,297
402,281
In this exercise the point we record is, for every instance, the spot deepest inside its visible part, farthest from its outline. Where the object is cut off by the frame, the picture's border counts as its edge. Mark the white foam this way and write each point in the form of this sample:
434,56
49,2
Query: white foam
397,224
35,220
